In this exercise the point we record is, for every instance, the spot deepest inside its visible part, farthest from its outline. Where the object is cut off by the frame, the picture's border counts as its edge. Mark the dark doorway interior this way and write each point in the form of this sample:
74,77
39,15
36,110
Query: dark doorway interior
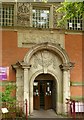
44,94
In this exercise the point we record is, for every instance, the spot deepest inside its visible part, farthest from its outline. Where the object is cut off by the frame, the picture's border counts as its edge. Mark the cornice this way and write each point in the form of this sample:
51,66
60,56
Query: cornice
22,65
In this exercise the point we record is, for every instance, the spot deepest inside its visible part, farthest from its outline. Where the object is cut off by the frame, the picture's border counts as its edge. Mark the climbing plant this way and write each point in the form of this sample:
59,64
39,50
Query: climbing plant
5,96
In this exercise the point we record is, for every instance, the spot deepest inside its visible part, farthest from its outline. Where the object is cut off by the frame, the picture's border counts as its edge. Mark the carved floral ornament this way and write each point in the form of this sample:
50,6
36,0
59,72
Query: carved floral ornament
23,14
23,8
45,59
39,55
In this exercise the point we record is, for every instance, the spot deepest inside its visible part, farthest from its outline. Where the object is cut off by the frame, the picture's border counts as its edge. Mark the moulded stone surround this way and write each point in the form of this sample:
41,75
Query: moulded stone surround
40,60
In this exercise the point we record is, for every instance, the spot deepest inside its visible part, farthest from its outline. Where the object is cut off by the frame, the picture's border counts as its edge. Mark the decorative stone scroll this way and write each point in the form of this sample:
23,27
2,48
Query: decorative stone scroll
66,66
23,14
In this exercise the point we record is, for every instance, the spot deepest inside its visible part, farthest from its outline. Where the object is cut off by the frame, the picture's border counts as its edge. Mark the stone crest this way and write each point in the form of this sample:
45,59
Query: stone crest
44,59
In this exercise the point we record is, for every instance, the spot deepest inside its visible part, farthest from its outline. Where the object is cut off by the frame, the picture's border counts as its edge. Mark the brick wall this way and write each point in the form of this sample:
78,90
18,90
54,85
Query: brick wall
10,51
73,45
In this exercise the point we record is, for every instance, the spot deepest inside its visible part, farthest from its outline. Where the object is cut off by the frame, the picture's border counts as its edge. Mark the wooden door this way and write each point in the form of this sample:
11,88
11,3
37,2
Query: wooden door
36,97
48,95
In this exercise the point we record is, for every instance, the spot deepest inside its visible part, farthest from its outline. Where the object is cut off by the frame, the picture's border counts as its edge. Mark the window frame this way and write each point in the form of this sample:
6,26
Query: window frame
43,6
74,22
13,16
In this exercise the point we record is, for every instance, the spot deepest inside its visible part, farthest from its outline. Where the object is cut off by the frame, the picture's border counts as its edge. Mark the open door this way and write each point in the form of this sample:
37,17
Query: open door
36,97
42,94
48,95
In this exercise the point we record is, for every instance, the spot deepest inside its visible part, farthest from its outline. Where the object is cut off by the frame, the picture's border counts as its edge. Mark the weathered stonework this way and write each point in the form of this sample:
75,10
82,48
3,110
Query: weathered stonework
23,14
44,59
55,15
29,38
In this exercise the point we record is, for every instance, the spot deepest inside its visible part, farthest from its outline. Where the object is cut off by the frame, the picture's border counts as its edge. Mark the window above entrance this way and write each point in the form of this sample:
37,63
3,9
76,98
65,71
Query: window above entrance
42,16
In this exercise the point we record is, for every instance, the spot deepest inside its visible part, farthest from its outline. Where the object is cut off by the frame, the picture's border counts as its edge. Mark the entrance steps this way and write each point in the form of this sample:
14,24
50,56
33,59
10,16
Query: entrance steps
44,114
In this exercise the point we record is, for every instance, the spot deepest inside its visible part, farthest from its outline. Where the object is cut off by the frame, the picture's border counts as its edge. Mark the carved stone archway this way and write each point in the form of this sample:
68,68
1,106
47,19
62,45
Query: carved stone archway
46,64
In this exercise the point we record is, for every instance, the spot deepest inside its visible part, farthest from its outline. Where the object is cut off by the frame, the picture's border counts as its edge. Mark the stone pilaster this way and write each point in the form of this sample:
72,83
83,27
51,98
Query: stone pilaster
66,83
66,89
26,88
19,84
31,97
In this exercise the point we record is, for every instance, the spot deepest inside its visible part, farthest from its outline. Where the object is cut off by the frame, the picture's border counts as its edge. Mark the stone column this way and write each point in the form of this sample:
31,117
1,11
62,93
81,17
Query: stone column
19,84
66,89
66,83
26,89
24,84
31,97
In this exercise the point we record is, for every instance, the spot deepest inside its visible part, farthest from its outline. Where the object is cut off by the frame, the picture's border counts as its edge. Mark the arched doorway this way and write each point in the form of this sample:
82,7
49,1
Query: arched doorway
44,59
44,92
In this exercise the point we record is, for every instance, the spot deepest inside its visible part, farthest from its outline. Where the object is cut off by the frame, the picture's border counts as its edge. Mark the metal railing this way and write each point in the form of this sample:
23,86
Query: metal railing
75,108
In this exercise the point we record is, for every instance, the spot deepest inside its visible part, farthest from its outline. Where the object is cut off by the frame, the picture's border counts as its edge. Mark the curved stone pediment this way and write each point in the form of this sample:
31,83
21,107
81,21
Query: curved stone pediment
55,48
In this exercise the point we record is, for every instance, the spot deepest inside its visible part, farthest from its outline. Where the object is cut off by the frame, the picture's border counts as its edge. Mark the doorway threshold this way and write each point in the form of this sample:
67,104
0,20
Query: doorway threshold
44,114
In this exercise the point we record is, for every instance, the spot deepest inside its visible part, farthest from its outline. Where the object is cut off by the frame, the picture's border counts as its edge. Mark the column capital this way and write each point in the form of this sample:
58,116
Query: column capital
22,65
66,66
26,66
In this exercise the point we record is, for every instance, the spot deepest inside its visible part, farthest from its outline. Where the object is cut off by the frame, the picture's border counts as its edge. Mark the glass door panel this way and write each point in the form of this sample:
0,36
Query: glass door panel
48,95
36,98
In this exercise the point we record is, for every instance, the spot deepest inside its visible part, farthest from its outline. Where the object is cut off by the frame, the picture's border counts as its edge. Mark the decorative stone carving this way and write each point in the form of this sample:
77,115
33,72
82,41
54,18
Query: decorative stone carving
23,14
66,66
54,17
54,62
29,39
44,59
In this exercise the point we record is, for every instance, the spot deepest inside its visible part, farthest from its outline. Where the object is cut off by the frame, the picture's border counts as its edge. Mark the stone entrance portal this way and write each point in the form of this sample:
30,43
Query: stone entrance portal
44,59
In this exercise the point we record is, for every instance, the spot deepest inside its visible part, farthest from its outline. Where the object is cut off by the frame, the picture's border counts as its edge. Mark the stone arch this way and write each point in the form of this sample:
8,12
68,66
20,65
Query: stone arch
31,89
56,48
65,67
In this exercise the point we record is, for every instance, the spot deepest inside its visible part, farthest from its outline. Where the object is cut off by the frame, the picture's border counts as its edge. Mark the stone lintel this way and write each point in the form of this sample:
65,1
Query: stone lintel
66,66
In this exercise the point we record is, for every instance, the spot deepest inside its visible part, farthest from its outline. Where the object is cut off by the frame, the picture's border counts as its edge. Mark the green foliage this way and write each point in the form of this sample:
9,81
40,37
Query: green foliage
5,96
70,10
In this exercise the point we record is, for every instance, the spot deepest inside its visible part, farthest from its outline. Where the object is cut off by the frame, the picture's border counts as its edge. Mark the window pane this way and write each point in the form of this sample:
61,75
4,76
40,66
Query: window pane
75,23
40,18
7,15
